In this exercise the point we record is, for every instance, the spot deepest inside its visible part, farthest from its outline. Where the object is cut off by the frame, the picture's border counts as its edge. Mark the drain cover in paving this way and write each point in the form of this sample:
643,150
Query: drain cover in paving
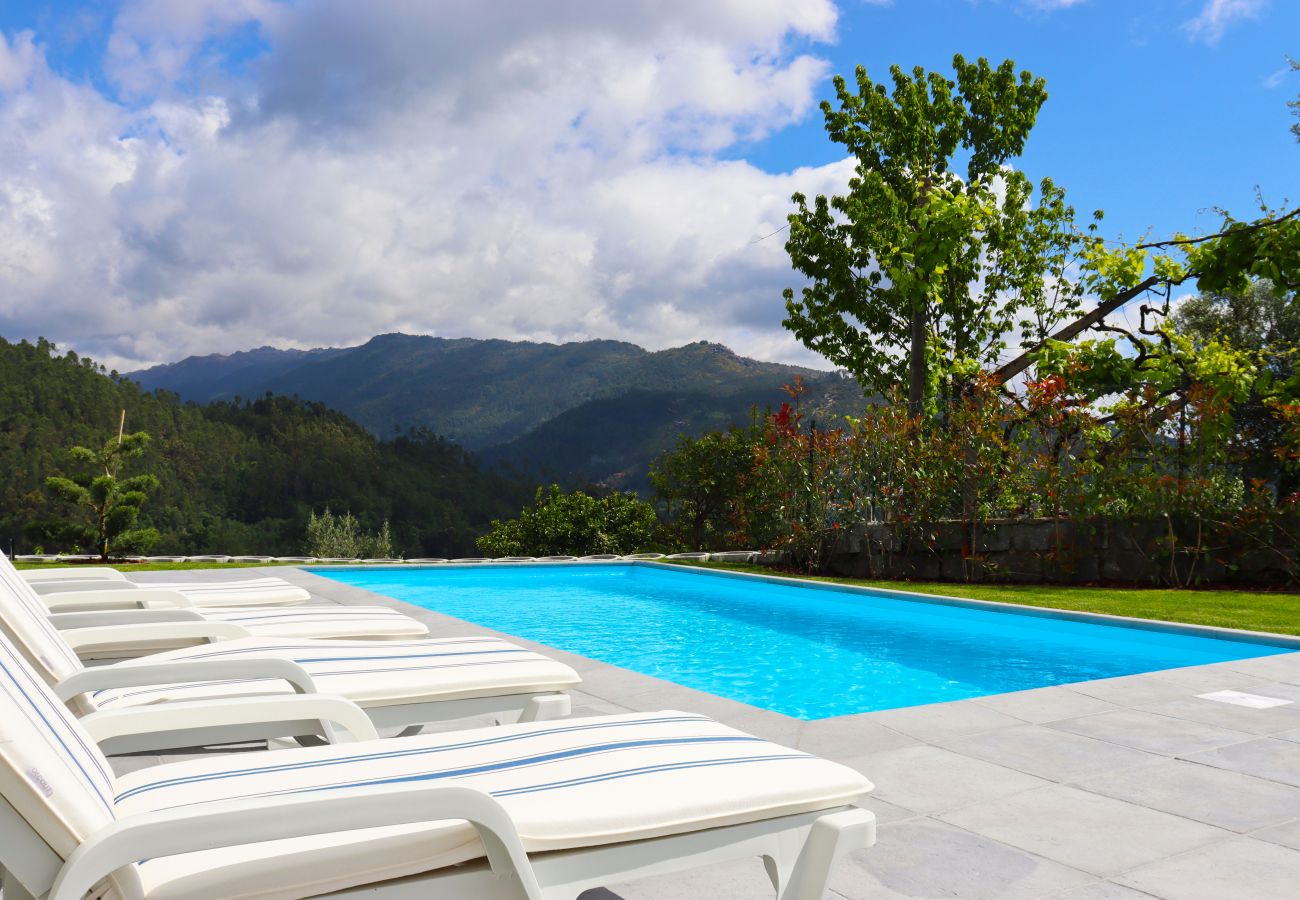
1238,698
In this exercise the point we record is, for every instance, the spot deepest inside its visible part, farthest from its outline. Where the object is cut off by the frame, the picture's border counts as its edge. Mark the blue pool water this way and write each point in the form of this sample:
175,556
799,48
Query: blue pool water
800,651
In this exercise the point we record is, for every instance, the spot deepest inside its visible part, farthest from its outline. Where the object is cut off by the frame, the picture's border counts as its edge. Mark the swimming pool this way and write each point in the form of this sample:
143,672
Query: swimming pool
802,651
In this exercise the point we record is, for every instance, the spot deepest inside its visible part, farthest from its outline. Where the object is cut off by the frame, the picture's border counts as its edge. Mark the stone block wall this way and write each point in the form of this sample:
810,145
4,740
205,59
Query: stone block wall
1074,552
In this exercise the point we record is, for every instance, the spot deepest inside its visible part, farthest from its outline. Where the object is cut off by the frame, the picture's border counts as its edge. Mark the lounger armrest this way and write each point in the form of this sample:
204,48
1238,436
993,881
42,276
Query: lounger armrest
77,601
72,573
231,823
224,712
181,671
110,636
98,617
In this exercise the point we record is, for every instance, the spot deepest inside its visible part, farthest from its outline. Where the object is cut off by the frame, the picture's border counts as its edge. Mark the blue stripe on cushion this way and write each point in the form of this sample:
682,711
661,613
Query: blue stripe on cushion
521,762
399,753
650,770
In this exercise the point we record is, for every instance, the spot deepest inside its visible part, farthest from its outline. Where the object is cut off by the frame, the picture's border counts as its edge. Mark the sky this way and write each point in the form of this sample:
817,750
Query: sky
207,176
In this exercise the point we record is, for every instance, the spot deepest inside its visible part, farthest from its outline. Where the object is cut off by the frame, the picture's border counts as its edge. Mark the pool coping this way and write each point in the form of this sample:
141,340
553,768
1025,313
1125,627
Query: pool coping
1239,635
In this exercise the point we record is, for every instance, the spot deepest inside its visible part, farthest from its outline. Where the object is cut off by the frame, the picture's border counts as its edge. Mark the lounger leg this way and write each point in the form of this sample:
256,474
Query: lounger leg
800,872
546,707
539,708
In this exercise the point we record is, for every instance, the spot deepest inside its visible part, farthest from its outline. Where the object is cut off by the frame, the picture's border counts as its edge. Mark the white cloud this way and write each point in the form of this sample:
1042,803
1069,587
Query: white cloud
1217,16
548,172
1050,5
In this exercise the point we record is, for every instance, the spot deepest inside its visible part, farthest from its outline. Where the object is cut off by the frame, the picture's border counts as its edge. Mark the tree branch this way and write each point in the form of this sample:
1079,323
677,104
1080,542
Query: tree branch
1013,368
1254,226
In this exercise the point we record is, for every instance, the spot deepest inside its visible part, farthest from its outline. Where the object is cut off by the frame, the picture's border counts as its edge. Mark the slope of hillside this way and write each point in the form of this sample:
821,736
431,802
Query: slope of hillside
595,411
226,376
610,441
236,478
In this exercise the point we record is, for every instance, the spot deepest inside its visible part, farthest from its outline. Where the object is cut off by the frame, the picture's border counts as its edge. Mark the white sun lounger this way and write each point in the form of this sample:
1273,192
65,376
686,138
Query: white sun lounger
527,812
143,607
400,684
270,591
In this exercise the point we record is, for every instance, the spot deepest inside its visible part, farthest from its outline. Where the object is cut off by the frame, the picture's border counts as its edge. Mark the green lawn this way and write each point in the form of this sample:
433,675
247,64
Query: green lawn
1251,610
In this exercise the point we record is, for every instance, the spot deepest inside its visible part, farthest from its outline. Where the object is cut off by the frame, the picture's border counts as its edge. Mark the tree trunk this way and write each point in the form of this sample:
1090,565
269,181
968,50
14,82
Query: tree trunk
916,379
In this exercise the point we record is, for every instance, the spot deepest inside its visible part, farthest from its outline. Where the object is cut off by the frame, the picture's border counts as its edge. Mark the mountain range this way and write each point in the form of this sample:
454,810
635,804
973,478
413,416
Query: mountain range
591,411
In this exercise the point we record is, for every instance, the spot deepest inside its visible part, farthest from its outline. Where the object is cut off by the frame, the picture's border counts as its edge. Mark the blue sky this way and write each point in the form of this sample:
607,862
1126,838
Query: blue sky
550,171
1141,121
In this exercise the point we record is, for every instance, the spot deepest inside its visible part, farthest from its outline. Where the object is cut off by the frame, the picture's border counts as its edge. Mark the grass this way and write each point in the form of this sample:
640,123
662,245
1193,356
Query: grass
1278,613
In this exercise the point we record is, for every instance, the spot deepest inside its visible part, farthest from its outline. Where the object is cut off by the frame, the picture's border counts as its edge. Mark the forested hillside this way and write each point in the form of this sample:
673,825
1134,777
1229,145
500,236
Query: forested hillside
583,412
236,478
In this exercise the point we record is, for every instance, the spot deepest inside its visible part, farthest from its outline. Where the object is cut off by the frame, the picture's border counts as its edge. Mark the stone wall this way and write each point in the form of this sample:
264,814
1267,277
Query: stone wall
1074,552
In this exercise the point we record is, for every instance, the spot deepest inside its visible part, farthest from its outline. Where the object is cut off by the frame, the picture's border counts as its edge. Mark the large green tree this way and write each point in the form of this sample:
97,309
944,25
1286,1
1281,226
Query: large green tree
919,272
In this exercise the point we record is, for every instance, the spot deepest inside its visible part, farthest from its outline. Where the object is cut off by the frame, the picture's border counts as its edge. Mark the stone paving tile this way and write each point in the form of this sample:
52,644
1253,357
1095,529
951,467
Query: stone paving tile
924,859
1083,830
1239,868
1279,689
1287,835
673,696
1045,704
1048,753
1151,732
1101,890
1266,758
1215,796
847,736
1228,715
886,813
1284,667
1169,684
931,779
940,720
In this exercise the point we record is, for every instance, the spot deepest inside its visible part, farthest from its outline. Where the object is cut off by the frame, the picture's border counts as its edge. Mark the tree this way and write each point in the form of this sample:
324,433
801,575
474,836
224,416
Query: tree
113,503
701,483
1295,104
342,537
1265,324
573,524
917,274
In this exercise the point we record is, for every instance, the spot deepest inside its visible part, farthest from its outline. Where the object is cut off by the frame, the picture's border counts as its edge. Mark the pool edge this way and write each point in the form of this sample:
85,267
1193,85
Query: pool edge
1239,635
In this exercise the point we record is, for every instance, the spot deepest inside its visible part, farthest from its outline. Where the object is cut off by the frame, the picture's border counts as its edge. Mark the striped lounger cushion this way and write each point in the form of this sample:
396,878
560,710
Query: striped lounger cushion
247,592
566,784
370,674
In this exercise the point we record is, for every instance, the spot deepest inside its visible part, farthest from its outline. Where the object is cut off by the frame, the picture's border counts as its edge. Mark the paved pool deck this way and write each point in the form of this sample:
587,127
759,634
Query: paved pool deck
1117,789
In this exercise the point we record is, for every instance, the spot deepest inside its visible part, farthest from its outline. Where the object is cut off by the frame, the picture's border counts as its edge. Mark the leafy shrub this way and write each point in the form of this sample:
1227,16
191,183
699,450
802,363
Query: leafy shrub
111,503
341,537
573,524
